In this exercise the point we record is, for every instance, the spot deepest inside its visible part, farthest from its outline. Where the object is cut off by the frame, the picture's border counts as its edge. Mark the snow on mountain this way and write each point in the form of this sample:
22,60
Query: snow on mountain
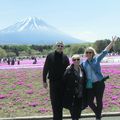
30,24
33,31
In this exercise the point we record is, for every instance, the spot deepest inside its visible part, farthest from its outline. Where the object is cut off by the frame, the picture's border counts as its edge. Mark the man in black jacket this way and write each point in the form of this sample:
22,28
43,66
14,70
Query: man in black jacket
55,66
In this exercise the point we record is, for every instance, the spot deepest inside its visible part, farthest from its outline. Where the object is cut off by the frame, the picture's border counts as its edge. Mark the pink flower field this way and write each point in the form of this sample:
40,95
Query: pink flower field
22,93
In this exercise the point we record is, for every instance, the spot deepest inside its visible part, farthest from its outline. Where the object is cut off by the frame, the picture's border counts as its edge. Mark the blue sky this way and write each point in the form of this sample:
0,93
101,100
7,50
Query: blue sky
83,19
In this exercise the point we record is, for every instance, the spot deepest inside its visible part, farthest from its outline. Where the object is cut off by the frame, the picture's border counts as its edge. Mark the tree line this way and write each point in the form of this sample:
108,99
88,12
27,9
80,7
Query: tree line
39,50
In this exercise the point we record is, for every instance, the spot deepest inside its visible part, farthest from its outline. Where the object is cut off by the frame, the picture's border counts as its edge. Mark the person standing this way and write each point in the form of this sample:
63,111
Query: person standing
95,84
55,66
74,88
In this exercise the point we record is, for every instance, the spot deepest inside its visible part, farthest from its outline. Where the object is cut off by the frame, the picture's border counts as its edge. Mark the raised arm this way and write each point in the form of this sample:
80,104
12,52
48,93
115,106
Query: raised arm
111,43
107,49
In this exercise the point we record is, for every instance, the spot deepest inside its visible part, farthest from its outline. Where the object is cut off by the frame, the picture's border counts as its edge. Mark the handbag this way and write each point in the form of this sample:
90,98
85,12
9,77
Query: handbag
105,78
89,84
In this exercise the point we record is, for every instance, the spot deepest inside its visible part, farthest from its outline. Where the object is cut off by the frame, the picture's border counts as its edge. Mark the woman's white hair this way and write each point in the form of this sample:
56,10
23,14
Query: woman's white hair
75,56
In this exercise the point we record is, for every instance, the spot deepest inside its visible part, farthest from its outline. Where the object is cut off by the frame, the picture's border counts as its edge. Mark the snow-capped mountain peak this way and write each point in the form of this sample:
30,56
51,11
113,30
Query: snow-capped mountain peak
29,24
33,31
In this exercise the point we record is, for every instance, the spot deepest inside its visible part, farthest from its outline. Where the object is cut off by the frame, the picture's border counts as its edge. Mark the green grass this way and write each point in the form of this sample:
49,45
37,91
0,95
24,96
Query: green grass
16,84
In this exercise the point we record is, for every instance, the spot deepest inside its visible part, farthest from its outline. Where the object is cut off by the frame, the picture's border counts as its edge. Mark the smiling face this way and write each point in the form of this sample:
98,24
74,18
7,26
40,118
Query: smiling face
59,47
76,60
90,52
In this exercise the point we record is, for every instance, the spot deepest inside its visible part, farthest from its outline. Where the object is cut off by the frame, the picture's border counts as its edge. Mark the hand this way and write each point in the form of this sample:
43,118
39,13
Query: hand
45,85
114,38
68,67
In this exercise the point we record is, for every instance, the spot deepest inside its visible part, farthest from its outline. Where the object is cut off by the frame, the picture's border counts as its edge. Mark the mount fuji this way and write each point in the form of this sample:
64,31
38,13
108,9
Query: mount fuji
34,31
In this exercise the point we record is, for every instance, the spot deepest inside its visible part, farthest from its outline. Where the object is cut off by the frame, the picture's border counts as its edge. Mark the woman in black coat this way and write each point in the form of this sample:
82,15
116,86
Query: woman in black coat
74,96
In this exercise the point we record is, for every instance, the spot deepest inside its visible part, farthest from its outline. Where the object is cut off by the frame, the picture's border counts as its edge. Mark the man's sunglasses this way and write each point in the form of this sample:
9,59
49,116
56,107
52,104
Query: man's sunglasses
60,45
76,59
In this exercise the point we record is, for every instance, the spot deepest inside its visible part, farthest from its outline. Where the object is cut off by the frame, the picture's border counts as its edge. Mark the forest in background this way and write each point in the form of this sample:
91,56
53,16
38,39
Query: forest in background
42,50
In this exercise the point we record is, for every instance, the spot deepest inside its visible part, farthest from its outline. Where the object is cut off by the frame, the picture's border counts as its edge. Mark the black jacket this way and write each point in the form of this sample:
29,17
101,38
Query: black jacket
55,66
74,88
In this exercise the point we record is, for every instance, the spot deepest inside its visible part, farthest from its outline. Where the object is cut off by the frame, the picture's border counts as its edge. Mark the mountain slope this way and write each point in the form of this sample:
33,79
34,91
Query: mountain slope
34,31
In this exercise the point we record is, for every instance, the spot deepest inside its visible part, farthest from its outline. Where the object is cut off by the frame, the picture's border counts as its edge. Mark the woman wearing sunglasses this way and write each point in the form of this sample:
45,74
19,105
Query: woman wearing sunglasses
74,84
95,85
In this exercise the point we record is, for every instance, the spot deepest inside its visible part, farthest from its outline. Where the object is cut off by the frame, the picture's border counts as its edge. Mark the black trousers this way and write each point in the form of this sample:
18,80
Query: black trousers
75,111
96,92
56,99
